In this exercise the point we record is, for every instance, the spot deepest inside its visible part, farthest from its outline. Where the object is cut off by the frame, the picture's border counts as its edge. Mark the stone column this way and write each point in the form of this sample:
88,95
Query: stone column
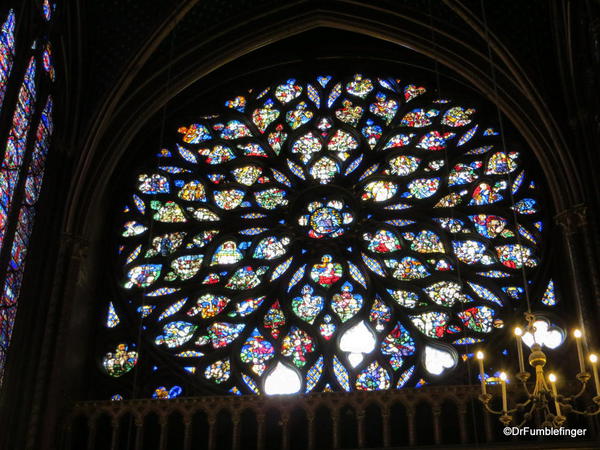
581,265
235,419
187,432
139,432
310,417
114,441
260,431
335,418
212,422
285,438
360,422
462,423
385,419
412,431
436,411
92,434
164,431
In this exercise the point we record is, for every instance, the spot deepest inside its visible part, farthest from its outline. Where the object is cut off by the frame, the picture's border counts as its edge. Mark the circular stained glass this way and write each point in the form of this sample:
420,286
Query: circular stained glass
326,218
325,221
328,234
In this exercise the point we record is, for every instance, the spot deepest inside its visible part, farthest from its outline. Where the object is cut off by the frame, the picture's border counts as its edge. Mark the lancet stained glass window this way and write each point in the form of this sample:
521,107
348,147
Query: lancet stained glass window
9,176
15,146
33,185
23,161
345,234
7,52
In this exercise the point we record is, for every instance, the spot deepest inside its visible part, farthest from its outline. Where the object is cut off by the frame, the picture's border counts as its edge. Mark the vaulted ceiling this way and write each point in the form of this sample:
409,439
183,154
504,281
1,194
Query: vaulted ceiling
115,31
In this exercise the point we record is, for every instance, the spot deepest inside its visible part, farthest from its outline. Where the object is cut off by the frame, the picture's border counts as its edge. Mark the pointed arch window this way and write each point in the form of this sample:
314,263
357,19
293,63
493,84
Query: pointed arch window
326,234
7,52
21,171
33,185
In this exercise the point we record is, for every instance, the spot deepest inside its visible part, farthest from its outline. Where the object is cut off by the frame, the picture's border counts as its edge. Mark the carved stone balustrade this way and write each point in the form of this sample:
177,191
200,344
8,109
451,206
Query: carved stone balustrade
436,415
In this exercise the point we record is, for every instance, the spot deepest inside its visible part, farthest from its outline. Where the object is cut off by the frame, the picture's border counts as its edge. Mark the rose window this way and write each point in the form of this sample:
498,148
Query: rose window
351,234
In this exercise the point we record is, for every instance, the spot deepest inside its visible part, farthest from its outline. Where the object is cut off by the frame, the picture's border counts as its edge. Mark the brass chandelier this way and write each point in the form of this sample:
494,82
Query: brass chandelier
542,392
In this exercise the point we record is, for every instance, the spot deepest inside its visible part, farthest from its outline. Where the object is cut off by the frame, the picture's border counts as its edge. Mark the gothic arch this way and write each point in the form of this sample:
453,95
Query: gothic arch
116,125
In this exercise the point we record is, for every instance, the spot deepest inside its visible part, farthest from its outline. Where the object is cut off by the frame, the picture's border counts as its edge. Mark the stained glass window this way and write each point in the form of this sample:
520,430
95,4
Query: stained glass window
47,9
25,220
15,146
47,61
325,234
7,52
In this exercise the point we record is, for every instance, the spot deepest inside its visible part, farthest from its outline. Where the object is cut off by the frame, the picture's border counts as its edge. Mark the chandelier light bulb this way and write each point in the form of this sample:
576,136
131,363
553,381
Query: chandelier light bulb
577,333
594,360
504,399
552,379
518,331
479,356
519,337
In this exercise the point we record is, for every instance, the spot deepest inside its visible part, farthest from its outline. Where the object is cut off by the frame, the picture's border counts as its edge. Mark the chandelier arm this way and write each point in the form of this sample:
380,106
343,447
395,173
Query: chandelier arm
527,415
581,391
492,411
526,389
586,413
520,406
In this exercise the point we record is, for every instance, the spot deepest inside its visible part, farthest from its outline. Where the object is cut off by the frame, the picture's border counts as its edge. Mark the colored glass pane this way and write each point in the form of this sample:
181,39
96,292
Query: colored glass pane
256,351
120,361
48,62
15,146
7,52
307,306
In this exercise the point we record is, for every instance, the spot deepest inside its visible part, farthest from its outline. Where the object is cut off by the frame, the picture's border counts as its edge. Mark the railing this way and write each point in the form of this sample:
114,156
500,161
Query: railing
384,419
